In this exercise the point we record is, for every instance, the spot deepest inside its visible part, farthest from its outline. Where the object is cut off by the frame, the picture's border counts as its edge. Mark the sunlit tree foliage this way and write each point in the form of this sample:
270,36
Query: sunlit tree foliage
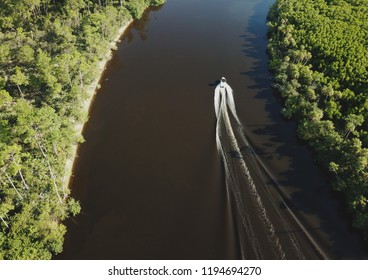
319,55
49,51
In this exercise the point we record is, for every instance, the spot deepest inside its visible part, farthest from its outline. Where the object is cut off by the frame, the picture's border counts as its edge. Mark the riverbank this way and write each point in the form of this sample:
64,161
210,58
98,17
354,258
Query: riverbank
318,55
91,91
52,57
136,12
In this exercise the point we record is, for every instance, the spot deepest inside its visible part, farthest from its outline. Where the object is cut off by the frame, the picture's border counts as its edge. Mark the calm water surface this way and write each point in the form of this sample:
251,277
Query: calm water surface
149,178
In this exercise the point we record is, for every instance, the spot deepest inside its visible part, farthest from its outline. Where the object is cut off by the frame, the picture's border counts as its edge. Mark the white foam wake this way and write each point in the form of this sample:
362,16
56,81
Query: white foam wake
258,237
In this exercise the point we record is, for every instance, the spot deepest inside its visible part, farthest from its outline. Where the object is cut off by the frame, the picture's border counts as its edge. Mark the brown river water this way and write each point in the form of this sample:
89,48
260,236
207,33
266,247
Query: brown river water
151,181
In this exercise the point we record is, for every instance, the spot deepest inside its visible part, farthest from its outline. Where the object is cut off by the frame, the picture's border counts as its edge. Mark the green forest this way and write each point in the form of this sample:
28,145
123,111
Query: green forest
319,56
49,56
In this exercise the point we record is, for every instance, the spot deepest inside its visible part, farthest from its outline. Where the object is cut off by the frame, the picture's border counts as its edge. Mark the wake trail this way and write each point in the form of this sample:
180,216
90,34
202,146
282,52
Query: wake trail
267,228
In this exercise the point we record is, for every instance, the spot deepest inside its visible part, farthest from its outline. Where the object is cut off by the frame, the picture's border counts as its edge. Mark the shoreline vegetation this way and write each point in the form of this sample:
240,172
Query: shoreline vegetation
319,56
52,55
91,91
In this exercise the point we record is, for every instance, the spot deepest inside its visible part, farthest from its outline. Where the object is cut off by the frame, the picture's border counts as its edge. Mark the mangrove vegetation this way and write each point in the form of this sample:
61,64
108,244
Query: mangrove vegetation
319,56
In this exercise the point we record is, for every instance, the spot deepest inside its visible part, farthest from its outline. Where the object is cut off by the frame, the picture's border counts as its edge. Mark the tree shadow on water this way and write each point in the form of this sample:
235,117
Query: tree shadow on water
304,184
140,26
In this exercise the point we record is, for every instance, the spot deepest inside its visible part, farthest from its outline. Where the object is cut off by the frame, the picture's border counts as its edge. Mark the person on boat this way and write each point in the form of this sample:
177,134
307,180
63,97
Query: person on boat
224,93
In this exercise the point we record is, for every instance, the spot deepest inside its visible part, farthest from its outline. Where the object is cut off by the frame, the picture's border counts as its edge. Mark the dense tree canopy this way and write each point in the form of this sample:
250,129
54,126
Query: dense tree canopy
49,52
319,55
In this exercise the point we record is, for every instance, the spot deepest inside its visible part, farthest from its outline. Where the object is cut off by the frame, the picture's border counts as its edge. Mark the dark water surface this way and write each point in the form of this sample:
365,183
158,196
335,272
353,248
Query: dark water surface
149,178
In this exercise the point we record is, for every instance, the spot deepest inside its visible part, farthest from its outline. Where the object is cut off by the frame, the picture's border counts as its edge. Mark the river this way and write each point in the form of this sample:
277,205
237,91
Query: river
150,179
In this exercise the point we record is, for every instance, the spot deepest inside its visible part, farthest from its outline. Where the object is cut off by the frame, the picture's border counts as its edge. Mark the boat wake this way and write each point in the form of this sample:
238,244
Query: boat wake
266,226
